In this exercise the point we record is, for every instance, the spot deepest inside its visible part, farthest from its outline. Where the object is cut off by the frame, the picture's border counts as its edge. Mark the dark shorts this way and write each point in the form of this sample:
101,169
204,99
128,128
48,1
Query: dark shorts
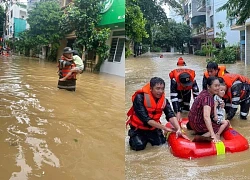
139,138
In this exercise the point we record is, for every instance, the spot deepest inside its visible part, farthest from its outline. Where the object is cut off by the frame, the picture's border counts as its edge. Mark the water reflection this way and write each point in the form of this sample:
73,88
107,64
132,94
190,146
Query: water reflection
56,134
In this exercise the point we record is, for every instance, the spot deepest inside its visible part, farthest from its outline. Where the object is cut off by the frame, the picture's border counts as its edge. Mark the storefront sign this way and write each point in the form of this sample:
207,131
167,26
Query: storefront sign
113,13
107,4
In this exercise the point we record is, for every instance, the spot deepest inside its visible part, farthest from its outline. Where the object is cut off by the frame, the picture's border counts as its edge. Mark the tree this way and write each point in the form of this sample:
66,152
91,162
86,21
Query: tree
2,19
154,15
83,16
221,36
44,29
135,24
237,8
173,34
44,21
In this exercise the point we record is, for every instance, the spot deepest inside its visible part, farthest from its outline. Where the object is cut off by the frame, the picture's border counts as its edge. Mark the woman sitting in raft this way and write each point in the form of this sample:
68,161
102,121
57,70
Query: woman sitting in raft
202,111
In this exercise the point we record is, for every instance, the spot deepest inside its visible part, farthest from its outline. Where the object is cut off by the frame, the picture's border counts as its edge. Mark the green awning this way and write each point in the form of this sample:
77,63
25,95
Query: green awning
113,14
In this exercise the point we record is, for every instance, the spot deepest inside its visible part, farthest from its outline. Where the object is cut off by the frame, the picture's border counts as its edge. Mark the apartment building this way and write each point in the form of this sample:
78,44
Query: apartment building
203,18
16,16
195,17
212,19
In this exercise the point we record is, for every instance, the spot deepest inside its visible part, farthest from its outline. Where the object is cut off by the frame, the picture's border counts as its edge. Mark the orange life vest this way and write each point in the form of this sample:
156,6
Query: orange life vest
154,109
221,71
181,62
230,79
65,70
176,73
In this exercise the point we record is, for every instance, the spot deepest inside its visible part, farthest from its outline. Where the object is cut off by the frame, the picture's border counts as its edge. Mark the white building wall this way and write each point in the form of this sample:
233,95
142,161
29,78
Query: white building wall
233,37
247,45
194,11
115,68
209,12
17,12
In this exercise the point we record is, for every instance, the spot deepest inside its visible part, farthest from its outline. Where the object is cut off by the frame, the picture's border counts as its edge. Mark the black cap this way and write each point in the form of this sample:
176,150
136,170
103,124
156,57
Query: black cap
185,79
67,50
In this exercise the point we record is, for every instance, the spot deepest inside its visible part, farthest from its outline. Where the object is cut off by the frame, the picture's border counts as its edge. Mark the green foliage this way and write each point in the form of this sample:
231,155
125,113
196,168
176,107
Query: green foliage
208,48
199,53
99,43
135,24
83,16
44,21
2,19
153,13
44,30
128,52
155,49
52,54
221,36
145,48
227,55
173,34
237,8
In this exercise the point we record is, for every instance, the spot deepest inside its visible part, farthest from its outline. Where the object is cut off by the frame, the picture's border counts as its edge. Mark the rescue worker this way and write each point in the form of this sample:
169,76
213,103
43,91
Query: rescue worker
181,62
182,83
213,70
238,93
144,116
65,65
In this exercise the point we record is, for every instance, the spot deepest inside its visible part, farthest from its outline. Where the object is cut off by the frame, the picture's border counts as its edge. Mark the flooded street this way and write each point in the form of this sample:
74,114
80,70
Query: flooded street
47,133
157,162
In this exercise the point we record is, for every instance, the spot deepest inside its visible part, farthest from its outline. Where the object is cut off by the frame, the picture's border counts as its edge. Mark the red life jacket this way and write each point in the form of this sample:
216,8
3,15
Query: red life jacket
65,70
181,62
221,71
154,109
176,73
230,79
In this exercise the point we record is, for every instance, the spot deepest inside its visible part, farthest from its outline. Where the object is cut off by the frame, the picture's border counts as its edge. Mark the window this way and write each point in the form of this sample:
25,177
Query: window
242,38
211,21
116,49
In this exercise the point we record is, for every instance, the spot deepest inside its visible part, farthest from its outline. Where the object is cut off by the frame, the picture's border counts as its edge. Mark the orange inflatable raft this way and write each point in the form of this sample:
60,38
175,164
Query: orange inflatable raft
183,148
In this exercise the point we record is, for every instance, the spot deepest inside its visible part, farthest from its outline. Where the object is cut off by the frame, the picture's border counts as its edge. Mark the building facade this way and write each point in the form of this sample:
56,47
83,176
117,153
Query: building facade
195,17
16,16
244,31
203,18
212,19
113,16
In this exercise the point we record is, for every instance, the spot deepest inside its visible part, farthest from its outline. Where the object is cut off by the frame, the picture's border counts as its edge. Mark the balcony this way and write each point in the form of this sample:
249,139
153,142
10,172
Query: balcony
201,5
198,32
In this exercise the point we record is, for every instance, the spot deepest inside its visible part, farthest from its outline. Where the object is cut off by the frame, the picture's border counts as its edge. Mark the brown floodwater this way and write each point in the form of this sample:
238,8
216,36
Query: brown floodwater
157,162
47,133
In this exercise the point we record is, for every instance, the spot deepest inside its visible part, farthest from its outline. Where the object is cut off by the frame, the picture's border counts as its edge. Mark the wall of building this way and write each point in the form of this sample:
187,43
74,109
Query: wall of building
194,11
115,68
210,14
233,37
247,48
14,13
